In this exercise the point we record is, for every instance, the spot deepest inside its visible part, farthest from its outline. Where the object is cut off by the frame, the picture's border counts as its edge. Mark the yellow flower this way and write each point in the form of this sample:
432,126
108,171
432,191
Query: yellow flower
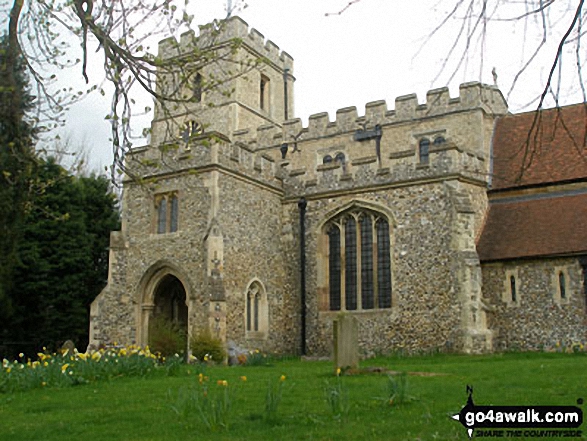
222,383
8,370
43,384
282,378
243,378
64,368
45,364
21,355
338,372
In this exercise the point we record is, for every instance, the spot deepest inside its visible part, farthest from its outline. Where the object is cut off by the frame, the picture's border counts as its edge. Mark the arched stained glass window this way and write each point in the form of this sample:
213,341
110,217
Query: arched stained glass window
359,263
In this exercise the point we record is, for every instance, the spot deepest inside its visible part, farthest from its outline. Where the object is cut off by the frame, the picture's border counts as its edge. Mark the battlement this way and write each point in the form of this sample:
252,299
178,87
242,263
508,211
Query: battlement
217,33
472,96
150,163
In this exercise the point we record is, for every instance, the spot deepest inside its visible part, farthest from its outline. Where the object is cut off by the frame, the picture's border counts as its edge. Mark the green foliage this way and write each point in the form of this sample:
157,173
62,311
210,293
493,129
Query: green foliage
166,337
17,166
273,399
205,347
257,358
337,398
71,369
123,409
211,403
62,259
397,390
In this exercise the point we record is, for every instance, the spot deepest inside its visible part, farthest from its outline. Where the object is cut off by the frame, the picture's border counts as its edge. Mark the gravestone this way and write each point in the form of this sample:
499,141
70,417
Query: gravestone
346,342
68,348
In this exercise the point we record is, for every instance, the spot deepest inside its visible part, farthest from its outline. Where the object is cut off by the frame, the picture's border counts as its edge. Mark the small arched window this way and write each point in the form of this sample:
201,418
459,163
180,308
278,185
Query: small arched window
327,159
174,214
424,151
513,292
198,88
162,216
340,158
256,311
167,213
439,140
562,285
264,93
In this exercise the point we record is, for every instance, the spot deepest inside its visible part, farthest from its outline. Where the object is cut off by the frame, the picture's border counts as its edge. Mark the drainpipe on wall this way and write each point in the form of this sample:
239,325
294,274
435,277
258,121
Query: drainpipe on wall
302,204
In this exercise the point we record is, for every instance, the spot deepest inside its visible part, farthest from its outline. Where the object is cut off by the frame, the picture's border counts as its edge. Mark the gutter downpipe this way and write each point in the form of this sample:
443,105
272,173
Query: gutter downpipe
302,204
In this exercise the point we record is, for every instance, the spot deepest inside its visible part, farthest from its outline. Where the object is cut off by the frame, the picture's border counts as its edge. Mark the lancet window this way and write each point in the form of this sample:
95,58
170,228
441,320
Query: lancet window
167,213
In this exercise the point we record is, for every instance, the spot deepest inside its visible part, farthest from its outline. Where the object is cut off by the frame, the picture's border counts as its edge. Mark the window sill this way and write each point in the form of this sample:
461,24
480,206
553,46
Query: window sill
255,335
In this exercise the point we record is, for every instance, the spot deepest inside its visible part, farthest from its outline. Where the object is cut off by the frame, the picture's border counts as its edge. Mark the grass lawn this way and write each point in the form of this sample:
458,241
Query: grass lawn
142,409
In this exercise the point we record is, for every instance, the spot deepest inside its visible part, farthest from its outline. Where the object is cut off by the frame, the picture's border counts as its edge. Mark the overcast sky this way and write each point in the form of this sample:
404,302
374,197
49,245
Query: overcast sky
377,49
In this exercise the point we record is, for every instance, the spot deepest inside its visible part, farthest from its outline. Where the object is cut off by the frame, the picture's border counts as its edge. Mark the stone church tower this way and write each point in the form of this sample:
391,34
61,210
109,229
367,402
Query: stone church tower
391,205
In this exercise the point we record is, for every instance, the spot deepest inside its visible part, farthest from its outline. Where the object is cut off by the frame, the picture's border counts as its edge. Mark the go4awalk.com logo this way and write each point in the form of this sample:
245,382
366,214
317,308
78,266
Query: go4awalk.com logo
520,421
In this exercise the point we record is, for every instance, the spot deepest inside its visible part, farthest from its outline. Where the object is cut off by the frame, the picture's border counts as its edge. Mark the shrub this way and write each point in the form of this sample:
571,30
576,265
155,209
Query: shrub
205,347
166,337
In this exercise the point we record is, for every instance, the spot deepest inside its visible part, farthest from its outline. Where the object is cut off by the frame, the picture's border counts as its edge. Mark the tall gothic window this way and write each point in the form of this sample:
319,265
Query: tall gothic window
167,211
359,262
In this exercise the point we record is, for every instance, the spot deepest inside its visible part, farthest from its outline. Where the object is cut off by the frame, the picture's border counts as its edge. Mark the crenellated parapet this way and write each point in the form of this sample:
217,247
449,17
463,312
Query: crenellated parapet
203,154
218,33
472,96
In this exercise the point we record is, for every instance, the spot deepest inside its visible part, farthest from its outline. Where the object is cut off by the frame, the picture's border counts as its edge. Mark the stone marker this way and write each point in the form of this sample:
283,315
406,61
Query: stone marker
68,348
346,342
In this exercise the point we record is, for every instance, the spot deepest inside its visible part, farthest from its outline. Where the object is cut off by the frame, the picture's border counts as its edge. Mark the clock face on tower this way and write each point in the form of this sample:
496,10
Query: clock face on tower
190,129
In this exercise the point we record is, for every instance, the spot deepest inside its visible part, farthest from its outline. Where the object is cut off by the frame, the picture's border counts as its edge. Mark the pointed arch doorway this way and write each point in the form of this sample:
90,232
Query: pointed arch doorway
164,295
170,301
168,324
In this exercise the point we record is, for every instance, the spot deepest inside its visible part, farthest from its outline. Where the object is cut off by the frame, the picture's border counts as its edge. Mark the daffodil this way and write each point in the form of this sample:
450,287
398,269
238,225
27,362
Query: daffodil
282,378
338,372
243,378
64,368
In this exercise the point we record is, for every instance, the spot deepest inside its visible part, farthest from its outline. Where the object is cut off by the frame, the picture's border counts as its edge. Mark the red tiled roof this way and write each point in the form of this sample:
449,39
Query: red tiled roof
535,227
540,147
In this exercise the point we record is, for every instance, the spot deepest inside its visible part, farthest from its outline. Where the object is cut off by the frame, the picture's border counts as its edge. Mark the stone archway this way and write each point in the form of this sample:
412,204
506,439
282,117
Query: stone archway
169,316
170,301
164,291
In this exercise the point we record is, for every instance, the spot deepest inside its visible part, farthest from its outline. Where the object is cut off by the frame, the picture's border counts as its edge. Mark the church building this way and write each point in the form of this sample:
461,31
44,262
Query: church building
448,225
